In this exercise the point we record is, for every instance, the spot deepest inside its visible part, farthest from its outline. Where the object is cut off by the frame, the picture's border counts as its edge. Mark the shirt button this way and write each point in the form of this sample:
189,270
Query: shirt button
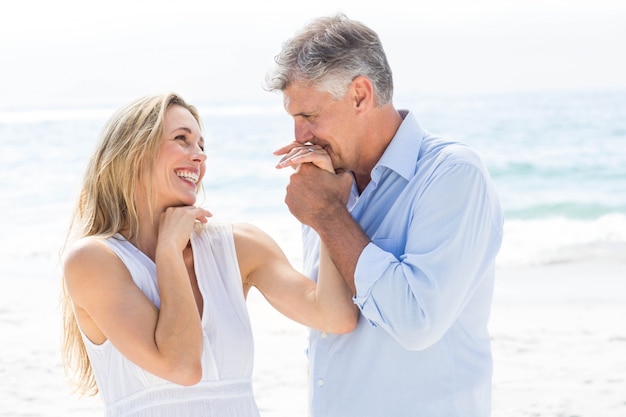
324,335
320,382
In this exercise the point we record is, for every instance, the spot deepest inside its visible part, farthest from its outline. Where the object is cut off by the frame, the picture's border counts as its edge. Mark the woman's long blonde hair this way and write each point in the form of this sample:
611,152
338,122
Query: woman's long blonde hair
106,205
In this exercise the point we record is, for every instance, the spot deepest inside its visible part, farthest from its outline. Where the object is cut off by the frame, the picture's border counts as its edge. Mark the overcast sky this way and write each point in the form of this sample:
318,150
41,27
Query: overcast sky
76,52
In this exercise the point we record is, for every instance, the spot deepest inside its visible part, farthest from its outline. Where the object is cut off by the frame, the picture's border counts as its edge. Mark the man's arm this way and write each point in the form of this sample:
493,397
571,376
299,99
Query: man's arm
318,198
417,292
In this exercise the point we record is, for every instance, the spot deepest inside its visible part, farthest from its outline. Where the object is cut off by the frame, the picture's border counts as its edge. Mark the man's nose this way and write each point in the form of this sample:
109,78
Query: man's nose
302,132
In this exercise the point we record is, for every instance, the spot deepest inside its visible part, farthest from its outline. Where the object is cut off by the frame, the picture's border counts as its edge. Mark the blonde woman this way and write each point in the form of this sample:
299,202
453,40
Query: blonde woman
154,293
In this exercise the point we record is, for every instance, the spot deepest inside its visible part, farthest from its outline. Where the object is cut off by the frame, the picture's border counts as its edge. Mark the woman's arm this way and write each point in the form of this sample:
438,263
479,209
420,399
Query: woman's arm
326,306
166,342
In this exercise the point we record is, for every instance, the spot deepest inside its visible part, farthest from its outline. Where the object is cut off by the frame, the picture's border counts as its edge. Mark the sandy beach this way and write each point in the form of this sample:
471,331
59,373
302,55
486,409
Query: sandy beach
559,343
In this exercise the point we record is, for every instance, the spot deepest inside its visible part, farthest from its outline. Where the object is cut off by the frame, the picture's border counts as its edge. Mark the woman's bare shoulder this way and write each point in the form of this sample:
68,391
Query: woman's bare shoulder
250,237
85,248
89,258
256,249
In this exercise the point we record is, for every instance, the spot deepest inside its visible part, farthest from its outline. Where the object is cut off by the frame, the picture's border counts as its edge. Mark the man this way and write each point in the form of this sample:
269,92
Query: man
412,222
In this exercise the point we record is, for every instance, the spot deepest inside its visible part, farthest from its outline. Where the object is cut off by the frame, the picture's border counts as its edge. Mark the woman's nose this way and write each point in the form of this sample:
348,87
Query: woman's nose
198,154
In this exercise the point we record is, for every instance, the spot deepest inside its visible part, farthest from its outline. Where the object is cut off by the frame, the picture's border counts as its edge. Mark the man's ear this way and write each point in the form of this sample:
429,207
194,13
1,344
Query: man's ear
362,92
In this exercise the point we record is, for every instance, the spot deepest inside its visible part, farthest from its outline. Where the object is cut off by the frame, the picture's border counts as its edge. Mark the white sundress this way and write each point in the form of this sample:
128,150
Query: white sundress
226,386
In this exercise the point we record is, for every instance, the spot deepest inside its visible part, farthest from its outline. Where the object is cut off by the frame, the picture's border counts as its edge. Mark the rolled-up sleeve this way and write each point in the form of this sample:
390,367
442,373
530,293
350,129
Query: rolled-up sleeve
416,276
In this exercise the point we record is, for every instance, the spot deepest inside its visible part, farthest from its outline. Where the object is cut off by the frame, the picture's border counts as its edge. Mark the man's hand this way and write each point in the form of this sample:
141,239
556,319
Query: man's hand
315,196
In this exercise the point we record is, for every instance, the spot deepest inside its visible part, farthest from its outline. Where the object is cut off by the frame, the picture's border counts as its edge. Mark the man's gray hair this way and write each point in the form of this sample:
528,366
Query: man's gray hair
328,54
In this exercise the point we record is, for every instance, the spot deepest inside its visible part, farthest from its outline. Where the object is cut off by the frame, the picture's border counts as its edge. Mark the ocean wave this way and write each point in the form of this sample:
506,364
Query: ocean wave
582,210
559,239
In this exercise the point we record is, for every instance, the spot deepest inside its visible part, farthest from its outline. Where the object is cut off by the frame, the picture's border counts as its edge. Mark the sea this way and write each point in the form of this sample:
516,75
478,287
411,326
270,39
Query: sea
557,158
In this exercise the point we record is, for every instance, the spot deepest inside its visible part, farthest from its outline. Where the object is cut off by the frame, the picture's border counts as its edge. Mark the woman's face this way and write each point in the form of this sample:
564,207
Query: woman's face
180,162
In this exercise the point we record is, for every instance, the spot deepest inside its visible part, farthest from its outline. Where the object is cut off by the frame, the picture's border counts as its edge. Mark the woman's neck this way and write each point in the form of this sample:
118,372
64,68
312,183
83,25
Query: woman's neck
147,235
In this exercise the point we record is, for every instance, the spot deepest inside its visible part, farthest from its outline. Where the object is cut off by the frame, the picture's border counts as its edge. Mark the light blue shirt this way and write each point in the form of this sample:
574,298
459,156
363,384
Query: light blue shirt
424,287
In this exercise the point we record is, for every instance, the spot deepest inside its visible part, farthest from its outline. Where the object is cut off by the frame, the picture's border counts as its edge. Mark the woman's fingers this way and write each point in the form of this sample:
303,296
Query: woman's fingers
314,154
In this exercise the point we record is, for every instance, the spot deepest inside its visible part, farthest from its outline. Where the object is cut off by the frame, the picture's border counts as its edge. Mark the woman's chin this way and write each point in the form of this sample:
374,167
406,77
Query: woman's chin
183,202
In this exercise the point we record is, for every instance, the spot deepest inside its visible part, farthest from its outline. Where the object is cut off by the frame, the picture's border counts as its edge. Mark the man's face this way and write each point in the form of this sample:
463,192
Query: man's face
321,120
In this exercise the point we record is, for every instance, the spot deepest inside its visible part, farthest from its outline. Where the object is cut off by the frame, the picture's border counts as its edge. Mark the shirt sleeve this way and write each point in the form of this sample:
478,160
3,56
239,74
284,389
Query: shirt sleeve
453,231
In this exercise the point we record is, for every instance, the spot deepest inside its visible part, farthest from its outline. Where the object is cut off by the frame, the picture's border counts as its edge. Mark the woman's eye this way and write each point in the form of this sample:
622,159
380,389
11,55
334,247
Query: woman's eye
187,142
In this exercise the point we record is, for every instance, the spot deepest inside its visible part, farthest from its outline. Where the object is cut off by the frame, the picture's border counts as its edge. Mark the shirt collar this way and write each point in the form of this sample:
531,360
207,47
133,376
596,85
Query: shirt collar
403,150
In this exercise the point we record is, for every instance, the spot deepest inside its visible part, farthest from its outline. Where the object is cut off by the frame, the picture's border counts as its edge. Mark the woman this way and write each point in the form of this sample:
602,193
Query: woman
154,294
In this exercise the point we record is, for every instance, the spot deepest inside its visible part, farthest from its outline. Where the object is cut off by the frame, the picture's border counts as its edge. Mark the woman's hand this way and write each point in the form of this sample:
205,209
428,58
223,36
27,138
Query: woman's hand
176,225
296,154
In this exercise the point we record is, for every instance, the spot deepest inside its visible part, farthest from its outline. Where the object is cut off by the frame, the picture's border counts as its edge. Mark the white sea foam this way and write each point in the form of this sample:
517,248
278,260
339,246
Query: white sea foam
557,240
